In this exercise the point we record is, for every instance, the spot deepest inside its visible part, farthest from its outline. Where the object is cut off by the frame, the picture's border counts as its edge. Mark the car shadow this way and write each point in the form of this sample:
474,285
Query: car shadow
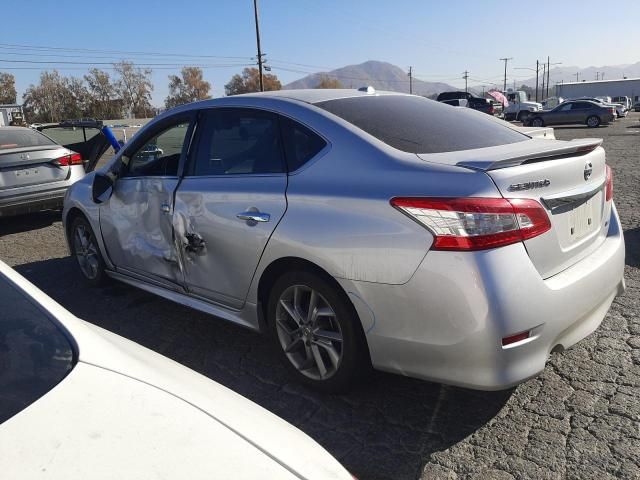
28,222
385,428
632,247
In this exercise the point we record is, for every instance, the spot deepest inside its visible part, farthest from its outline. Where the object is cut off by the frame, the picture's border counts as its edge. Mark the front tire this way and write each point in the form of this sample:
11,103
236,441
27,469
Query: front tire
593,121
317,331
85,249
522,116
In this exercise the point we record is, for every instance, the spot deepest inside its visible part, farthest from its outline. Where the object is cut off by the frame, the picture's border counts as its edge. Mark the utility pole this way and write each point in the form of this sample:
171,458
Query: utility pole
410,80
548,72
466,76
597,76
577,76
544,72
255,12
602,76
505,60
537,71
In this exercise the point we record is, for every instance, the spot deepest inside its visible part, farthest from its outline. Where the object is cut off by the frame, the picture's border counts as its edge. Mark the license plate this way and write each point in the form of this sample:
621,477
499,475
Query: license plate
583,219
27,172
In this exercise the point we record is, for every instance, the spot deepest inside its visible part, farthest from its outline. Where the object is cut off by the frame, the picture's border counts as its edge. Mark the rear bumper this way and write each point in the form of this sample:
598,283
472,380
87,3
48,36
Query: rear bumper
447,322
33,198
32,202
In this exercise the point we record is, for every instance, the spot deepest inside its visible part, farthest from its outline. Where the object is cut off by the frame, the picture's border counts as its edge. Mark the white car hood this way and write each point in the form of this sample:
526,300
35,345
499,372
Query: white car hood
124,406
99,424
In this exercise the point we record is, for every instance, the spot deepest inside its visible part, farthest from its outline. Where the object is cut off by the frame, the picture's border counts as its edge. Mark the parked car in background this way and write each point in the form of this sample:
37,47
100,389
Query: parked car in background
583,112
78,402
636,107
360,229
620,110
465,99
519,106
35,171
604,98
624,101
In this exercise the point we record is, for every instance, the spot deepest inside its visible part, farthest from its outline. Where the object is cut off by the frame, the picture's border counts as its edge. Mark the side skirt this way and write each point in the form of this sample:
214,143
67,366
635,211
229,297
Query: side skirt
247,317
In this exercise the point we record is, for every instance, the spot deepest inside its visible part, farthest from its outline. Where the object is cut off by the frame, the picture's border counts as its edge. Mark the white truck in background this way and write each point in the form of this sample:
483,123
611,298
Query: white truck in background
519,106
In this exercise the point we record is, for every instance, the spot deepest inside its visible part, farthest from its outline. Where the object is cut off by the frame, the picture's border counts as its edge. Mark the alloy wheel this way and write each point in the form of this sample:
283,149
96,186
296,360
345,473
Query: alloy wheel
309,332
86,252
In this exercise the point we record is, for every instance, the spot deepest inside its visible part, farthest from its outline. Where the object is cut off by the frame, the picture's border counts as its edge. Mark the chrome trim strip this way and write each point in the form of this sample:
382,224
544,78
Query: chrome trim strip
581,195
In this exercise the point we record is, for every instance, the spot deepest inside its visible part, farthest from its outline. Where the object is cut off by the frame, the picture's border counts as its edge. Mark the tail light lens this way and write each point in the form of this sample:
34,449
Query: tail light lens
612,111
609,184
476,223
68,160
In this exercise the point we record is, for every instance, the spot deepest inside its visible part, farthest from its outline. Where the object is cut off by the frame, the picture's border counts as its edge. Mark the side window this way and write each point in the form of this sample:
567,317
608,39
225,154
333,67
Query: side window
300,143
237,141
566,107
160,155
581,106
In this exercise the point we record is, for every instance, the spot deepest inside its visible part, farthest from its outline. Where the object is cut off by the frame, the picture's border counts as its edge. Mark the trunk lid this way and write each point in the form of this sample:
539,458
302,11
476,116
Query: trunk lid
567,178
23,167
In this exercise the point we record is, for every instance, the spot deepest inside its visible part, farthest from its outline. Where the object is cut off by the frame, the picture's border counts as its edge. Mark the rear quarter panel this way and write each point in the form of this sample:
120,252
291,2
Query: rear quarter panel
339,216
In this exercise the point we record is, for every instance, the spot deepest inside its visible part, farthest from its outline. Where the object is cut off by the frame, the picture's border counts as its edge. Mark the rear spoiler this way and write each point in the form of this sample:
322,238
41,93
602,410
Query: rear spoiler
558,150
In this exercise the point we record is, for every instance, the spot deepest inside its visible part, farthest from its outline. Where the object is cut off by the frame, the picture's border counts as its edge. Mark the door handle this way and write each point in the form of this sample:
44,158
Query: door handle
254,216
165,208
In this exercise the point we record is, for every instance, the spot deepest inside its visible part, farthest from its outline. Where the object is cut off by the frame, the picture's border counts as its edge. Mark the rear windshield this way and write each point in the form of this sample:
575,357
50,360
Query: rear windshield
22,137
35,355
418,125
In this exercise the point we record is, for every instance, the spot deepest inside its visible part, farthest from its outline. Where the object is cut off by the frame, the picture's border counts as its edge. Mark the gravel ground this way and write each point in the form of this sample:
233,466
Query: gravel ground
580,419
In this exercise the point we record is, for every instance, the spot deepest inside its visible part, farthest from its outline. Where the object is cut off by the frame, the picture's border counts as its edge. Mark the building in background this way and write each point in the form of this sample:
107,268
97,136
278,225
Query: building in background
629,87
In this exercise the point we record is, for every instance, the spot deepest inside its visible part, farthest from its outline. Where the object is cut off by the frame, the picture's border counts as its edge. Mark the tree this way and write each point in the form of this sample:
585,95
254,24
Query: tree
190,88
56,98
249,82
134,87
8,92
328,82
42,102
103,97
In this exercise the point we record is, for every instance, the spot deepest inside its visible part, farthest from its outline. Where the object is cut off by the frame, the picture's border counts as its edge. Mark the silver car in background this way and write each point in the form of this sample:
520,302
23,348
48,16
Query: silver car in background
35,170
362,229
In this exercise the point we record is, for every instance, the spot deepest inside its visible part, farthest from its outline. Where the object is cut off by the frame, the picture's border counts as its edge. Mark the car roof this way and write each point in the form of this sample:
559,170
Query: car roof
317,95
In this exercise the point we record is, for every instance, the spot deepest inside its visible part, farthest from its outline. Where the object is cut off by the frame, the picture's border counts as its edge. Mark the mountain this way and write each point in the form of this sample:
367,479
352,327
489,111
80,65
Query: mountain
380,75
568,74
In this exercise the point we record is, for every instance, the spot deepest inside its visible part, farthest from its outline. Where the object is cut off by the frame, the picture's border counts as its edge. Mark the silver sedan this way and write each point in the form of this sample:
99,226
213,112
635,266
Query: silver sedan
362,229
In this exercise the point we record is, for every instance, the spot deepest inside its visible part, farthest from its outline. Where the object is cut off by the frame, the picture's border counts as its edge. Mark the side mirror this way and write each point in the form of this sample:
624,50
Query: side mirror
102,187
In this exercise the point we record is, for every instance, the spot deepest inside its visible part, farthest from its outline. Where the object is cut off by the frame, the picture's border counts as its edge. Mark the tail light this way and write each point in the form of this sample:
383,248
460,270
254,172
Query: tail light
68,160
491,109
476,223
612,111
609,184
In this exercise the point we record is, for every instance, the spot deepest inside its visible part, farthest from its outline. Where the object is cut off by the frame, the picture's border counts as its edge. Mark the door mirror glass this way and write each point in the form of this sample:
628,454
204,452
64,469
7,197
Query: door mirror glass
102,187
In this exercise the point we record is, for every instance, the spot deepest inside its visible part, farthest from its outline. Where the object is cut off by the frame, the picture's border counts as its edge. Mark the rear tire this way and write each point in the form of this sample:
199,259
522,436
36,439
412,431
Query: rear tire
537,122
593,121
86,251
317,331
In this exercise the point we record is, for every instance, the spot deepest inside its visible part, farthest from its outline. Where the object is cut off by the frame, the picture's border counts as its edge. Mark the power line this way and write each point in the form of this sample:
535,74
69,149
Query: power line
68,62
14,46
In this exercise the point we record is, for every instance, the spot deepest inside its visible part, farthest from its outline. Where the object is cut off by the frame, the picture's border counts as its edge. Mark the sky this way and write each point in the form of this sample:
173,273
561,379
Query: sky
439,39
